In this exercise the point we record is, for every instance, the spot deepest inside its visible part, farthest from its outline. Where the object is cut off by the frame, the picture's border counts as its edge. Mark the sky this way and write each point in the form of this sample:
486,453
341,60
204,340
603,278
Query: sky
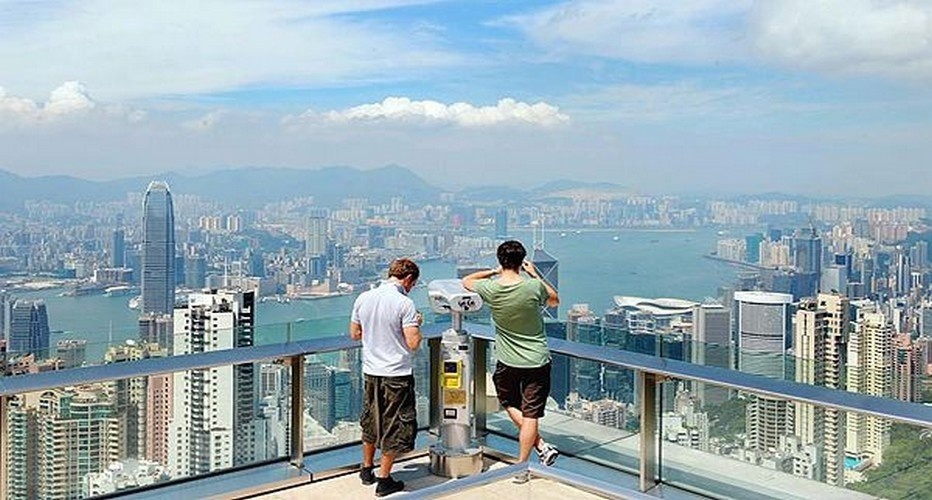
815,97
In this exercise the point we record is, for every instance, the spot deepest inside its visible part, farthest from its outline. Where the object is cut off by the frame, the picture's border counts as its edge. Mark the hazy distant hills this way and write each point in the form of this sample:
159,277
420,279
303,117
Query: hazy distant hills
252,187
241,186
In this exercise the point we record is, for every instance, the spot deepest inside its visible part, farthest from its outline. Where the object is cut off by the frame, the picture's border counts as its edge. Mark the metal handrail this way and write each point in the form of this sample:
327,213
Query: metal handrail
887,408
892,409
21,384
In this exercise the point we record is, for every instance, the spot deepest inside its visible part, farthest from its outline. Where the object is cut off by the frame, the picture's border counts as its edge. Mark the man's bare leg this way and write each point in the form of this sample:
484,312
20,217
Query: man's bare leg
385,468
368,454
518,419
527,438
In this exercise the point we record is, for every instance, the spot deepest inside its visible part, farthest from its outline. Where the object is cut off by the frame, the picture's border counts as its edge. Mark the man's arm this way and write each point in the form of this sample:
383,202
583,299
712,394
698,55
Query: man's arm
469,282
553,299
413,337
355,330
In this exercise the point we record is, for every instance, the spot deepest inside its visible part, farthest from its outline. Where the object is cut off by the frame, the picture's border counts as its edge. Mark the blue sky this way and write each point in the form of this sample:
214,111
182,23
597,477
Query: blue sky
816,97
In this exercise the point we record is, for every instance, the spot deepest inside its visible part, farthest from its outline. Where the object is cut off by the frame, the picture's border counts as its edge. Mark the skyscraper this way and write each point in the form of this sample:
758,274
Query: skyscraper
315,244
869,371
547,266
763,332
118,249
6,301
711,346
501,224
820,337
908,369
158,250
77,434
582,325
212,423
808,260
130,397
29,329
763,323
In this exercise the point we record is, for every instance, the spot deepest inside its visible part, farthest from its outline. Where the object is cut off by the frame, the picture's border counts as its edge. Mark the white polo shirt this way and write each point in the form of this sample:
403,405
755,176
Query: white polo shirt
383,313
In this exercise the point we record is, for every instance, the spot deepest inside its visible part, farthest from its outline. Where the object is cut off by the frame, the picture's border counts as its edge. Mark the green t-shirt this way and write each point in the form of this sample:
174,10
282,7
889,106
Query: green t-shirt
520,340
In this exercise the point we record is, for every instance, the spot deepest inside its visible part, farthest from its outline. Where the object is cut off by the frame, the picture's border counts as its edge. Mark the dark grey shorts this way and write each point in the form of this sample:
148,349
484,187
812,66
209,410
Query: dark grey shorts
526,389
389,413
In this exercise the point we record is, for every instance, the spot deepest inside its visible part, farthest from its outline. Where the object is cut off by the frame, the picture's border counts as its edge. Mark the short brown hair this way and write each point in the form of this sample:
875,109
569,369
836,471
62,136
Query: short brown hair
511,254
402,268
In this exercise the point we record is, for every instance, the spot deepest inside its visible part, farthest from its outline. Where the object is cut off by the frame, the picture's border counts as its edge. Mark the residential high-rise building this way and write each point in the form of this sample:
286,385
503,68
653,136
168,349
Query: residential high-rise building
72,352
6,301
131,397
711,346
320,397
118,248
869,371
156,329
78,434
762,322
22,447
158,416
195,272
582,325
501,224
820,336
330,394
158,250
212,423
29,329
908,369
316,233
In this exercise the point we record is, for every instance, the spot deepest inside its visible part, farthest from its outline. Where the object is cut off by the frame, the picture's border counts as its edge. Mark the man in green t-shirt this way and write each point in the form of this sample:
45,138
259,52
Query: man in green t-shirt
522,374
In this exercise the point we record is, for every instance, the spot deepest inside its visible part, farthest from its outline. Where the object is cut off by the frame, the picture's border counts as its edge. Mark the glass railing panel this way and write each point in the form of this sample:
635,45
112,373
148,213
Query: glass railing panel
729,444
333,394
116,436
591,415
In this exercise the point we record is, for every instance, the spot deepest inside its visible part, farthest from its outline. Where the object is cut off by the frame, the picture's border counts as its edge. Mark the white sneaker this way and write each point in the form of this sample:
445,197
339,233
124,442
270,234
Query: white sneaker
548,454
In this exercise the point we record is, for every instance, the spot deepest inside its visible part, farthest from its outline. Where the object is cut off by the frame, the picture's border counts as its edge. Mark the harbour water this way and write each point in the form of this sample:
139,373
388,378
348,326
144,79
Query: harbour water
595,265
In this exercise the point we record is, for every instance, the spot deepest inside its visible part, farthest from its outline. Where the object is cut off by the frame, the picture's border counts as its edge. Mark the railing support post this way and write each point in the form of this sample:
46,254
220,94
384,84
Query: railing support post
435,395
4,446
480,396
647,389
297,410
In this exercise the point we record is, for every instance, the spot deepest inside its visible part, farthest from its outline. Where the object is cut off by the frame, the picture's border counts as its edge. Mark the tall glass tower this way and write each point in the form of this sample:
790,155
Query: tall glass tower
29,329
158,250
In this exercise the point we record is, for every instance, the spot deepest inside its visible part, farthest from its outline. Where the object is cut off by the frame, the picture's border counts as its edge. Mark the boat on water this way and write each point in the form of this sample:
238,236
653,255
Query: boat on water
120,290
135,302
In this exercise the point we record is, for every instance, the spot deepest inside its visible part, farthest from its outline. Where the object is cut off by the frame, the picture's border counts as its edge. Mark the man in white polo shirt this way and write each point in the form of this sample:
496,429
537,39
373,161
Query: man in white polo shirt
389,325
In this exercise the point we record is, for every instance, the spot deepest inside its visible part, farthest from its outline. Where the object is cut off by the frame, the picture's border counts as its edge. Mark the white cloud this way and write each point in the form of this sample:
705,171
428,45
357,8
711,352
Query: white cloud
130,50
890,38
403,109
70,99
650,31
887,38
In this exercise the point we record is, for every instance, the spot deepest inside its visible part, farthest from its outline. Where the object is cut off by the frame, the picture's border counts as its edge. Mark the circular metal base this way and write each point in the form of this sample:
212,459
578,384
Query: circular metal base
454,465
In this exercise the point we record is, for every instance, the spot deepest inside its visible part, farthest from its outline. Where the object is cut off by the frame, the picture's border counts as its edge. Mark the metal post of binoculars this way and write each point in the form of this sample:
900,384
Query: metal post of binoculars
457,454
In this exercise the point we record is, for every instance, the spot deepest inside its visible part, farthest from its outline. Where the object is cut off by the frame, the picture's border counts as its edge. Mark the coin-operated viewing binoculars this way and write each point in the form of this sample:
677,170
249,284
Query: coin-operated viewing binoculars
457,454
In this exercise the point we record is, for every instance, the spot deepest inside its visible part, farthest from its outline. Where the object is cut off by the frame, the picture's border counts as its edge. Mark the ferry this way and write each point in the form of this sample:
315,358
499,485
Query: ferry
119,290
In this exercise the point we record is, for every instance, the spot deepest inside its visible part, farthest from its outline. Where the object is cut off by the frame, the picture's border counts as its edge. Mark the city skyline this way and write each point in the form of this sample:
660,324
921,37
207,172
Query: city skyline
654,95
